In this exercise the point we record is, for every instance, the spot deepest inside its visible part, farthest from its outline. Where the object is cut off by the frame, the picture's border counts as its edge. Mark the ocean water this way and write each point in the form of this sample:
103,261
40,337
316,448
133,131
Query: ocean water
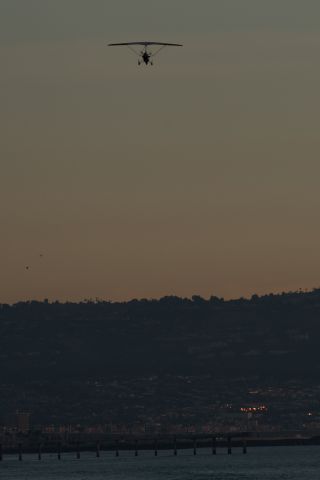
267,463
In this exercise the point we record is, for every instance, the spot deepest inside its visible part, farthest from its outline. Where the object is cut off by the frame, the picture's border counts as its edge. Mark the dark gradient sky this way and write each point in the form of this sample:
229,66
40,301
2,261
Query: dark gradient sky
197,176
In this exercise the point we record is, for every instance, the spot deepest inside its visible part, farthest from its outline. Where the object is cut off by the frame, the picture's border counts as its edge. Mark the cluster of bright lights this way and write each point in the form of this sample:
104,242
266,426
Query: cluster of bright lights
259,409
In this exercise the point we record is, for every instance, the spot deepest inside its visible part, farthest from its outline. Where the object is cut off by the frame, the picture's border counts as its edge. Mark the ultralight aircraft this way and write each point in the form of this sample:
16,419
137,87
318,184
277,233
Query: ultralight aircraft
145,55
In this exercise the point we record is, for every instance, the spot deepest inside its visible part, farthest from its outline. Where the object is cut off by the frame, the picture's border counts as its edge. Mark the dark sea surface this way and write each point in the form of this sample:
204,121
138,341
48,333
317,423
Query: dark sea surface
268,463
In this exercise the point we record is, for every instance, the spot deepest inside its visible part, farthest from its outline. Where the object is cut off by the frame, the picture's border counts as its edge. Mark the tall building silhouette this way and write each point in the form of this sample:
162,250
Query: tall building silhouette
23,421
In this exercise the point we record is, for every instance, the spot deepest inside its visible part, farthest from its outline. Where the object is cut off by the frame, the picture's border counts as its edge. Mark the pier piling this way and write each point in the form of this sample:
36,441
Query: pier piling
39,451
244,447
136,448
117,448
175,451
1,453
78,451
214,446
20,452
229,445
155,447
194,446
97,450
59,451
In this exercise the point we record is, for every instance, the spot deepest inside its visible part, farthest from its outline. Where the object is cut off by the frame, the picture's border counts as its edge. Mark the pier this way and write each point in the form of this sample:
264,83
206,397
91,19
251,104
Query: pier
116,445
98,444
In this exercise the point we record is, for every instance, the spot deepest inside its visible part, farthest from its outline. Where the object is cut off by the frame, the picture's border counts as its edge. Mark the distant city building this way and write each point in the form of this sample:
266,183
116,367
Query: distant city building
23,421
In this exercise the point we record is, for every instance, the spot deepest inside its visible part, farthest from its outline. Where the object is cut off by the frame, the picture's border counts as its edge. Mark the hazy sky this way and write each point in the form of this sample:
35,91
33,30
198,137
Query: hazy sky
199,175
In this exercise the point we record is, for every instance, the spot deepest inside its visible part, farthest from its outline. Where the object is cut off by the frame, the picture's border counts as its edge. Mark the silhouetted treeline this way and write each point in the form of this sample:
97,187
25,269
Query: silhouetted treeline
271,335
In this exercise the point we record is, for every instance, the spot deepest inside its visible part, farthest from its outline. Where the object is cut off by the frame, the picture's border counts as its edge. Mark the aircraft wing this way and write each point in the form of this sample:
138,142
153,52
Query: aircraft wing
145,44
